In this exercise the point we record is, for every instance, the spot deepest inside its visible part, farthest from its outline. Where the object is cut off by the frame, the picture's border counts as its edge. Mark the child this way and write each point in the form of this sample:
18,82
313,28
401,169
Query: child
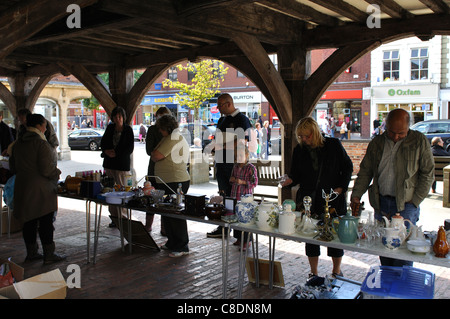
243,180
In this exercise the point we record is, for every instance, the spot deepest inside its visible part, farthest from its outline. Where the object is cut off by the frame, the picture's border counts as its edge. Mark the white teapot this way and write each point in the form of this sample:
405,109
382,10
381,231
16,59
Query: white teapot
398,222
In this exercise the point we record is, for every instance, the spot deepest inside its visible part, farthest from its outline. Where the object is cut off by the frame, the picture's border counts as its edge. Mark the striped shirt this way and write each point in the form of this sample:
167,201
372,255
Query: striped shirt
246,173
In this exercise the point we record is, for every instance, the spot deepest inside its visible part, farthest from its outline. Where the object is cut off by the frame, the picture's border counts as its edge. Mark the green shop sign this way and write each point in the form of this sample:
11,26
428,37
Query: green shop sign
393,92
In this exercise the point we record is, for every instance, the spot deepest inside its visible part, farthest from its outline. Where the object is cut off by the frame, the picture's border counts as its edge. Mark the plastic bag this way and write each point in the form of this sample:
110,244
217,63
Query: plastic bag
6,277
8,192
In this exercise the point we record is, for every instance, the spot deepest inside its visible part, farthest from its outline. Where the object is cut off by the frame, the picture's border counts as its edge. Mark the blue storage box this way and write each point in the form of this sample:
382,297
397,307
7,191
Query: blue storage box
398,282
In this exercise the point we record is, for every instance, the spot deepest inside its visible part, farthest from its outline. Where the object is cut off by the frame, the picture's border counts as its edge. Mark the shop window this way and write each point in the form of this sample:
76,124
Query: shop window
391,65
419,64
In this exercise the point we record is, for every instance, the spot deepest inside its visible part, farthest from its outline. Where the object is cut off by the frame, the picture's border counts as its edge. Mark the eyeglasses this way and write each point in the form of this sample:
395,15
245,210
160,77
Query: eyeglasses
220,105
304,136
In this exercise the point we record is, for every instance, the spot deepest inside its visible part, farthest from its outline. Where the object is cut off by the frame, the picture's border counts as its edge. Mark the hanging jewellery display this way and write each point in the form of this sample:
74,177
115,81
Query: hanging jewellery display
325,229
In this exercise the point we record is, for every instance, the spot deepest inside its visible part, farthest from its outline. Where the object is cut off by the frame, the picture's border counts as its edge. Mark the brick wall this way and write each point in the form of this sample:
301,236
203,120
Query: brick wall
356,149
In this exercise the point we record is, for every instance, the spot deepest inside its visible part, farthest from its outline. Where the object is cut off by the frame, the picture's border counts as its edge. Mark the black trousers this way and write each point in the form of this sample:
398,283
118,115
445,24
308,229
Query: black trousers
176,229
42,225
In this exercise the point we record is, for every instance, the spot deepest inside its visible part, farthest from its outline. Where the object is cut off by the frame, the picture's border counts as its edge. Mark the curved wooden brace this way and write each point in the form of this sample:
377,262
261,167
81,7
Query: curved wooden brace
8,98
330,69
259,58
36,91
140,88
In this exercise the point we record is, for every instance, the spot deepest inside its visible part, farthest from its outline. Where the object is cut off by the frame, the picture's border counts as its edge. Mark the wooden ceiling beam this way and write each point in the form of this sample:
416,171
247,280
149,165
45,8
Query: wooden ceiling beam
22,21
391,29
298,11
437,6
343,8
392,8
85,30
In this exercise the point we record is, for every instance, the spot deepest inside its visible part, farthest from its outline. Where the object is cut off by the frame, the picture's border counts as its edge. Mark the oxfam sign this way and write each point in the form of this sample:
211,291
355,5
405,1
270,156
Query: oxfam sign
401,92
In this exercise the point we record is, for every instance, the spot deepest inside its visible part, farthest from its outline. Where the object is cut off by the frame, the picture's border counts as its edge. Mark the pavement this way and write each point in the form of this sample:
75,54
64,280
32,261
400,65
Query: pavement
354,265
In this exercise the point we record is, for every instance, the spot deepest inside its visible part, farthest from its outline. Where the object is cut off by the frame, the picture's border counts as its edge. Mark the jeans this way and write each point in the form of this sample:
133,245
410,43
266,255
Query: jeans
388,207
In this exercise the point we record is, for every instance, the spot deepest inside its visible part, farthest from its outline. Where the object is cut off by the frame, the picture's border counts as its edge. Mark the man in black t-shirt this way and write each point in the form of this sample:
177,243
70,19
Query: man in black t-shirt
233,124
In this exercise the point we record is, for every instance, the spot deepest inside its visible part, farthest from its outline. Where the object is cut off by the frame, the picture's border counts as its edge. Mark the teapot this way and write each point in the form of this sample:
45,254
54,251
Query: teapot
398,222
347,229
287,221
391,238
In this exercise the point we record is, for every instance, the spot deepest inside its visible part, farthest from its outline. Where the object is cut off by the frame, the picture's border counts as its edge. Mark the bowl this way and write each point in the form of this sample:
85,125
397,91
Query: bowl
118,198
418,246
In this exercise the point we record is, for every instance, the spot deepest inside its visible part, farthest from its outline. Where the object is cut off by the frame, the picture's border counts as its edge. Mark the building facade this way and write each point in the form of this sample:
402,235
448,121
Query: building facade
413,75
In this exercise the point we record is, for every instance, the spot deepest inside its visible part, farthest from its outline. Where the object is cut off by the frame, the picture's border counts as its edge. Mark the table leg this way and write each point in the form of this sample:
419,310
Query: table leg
225,254
88,229
130,235
122,241
97,229
271,260
255,250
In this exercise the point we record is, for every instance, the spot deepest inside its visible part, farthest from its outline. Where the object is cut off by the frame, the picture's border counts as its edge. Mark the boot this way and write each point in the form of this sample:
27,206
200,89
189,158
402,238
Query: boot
149,222
32,252
49,254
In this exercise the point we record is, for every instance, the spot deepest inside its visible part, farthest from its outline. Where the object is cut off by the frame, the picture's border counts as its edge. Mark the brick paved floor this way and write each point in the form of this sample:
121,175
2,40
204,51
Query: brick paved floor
152,274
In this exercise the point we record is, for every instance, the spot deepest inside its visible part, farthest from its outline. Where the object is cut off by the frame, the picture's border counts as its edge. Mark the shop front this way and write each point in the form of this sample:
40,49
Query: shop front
151,104
344,106
421,101
248,103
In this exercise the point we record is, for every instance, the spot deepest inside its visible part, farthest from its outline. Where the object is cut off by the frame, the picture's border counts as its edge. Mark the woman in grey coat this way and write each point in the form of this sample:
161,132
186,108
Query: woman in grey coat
33,161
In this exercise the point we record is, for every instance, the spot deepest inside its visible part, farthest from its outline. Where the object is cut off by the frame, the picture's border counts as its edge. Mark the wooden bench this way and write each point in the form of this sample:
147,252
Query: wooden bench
439,163
269,172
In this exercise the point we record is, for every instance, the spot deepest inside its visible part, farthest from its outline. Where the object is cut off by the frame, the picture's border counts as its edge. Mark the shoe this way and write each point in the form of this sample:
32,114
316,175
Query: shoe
112,225
314,280
217,233
164,247
50,256
32,252
433,191
176,254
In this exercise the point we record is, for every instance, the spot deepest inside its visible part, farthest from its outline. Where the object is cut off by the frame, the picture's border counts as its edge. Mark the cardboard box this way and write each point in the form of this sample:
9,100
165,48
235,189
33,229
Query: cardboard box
49,285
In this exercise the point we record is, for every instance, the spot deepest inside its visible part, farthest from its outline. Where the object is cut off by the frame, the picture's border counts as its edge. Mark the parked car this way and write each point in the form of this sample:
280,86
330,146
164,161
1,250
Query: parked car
86,138
207,133
432,128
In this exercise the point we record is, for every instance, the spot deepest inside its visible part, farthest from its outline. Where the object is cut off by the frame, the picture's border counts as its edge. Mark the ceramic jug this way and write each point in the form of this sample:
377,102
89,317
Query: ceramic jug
266,215
391,238
440,246
398,222
347,229
245,209
287,221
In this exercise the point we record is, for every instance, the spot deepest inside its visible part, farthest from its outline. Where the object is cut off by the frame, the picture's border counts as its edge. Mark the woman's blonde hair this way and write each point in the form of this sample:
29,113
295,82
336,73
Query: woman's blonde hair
308,126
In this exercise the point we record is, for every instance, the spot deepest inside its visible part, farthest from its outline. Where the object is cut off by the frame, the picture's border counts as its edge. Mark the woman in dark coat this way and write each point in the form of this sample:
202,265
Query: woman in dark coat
117,145
320,163
33,160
